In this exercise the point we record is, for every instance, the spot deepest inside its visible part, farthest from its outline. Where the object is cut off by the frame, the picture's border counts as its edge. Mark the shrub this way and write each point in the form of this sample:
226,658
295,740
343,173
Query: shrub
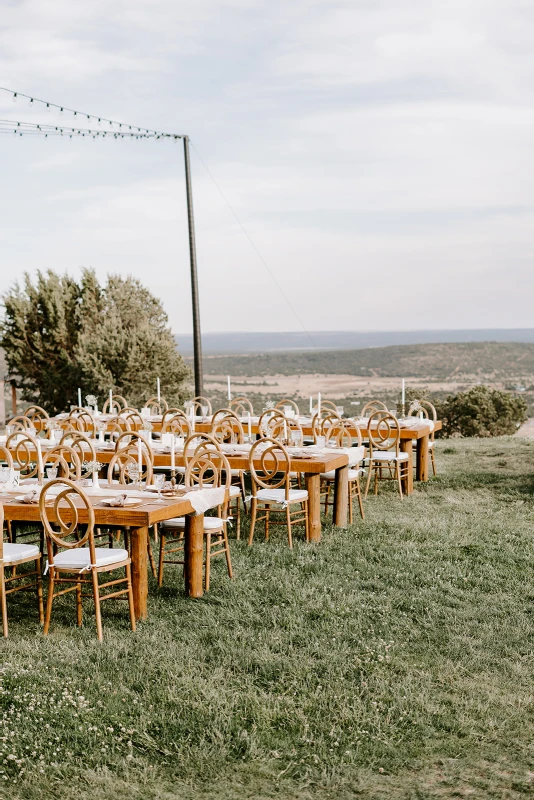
482,412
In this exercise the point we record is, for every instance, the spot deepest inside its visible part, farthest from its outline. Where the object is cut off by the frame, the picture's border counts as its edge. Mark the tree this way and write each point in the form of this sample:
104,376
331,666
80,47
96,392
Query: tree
482,411
59,335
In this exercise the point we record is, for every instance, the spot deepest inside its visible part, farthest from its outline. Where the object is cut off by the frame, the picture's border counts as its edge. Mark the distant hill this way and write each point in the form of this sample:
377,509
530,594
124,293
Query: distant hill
490,361
342,340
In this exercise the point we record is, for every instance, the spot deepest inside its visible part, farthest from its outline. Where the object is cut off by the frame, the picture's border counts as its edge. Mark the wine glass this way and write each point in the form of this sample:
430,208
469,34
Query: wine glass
159,482
133,472
5,475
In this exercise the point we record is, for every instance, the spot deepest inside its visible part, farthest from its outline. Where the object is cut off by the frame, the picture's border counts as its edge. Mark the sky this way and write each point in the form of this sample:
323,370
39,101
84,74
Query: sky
359,165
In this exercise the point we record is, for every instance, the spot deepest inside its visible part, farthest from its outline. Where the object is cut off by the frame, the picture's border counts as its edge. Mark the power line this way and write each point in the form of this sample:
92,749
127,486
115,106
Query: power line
269,271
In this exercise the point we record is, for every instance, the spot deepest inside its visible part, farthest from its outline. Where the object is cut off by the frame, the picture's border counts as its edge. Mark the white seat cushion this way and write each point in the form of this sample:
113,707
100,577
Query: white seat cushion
236,473
331,476
14,553
234,491
279,495
178,523
388,455
79,557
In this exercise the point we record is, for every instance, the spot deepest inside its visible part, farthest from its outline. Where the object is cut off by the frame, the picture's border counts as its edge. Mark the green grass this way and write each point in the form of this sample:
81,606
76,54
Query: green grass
393,660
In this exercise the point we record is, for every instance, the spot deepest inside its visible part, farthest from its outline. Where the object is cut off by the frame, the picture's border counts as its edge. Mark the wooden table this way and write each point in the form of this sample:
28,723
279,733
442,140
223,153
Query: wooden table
139,519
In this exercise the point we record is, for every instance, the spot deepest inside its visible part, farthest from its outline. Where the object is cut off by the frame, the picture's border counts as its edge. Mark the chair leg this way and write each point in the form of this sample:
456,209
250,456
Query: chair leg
433,458
368,481
130,597
49,601
79,610
288,518
208,562
253,512
399,479
238,520
351,498
267,520
96,594
4,600
227,551
151,556
359,495
162,540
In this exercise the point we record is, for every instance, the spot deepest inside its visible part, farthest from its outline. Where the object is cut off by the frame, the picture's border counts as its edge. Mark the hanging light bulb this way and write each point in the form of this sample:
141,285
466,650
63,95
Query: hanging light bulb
15,97
48,106
31,102
61,110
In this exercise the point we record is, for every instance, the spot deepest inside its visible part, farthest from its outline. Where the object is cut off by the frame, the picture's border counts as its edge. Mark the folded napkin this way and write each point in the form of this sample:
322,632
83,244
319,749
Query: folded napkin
119,501
31,497
354,454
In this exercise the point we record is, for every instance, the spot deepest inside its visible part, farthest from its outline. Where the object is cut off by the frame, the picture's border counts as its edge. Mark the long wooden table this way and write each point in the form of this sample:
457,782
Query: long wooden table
139,519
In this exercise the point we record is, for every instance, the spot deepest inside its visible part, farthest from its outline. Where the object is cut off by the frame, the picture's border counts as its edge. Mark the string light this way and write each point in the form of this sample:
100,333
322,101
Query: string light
143,133
41,129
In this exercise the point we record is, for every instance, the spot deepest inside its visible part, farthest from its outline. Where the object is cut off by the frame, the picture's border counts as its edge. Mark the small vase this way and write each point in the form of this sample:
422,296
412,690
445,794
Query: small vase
96,485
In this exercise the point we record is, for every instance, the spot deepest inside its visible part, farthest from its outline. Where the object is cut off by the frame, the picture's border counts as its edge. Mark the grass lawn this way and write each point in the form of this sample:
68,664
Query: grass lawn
393,660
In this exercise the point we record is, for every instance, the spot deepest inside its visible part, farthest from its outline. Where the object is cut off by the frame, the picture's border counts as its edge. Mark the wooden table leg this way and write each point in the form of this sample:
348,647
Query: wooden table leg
421,469
341,497
194,552
407,484
313,485
139,546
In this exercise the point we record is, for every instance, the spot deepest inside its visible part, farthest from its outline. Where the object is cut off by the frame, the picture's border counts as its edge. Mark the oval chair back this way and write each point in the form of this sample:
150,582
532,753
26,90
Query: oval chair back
280,406
199,403
66,460
241,406
127,453
23,449
226,427
175,421
117,404
82,446
342,432
156,407
373,405
319,419
270,465
383,432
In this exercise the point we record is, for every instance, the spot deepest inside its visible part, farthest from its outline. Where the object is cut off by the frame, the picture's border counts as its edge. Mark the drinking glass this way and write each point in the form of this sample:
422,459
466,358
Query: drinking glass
340,410
10,429
5,475
159,482
321,441
295,438
204,410
133,471
51,473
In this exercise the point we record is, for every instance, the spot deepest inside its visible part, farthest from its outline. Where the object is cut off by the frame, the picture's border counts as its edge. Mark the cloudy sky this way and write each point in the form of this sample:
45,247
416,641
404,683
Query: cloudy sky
376,152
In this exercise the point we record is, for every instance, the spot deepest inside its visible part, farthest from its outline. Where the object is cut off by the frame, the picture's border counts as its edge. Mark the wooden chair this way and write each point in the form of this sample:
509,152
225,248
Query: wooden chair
23,449
38,417
175,421
82,420
273,424
372,406
117,404
241,406
82,446
346,434
319,419
227,428
71,555
271,491
198,403
207,468
134,418
156,407
19,423
426,410
386,461
117,426
330,406
65,459
12,556
287,402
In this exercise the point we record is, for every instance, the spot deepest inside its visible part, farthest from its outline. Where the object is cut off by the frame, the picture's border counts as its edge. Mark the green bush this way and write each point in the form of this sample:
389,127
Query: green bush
482,412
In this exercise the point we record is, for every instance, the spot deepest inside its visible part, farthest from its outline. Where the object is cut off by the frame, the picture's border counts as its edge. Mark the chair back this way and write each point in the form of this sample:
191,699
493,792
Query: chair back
82,420
280,406
5,457
341,432
175,421
417,410
383,432
62,517
272,471
208,468
118,425
127,452
241,406
134,418
198,403
82,446
199,440
36,414
319,419
373,405
19,423
329,406
23,449
227,428
117,403
156,407
287,430
66,460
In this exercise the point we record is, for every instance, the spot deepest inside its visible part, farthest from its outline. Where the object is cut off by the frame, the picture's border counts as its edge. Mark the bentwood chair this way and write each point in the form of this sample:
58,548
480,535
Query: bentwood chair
386,460
72,555
271,490
320,419
372,406
241,406
227,428
82,420
344,433
117,404
199,403
286,402
12,556
208,468
156,407
23,449
329,405
38,417
19,423
65,459
175,421
83,447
